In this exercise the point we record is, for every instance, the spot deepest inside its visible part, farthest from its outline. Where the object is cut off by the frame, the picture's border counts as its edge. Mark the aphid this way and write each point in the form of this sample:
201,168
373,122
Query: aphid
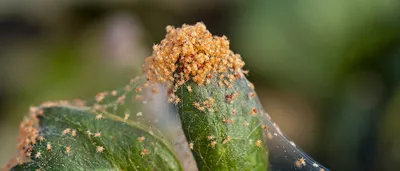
227,139
99,116
246,72
210,137
253,111
37,155
32,109
228,98
213,143
73,133
196,104
231,77
302,161
41,138
97,134
251,85
231,121
265,127
258,143
138,89
189,89
191,145
66,131
246,124
126,116
144,152
114,93
99,149
224,121
227,83
251,95
100,96
48,147
67,150
140,139
220,84
177,100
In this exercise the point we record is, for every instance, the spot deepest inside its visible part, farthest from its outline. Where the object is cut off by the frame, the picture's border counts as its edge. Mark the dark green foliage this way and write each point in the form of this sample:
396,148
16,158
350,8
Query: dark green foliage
119,138
226,117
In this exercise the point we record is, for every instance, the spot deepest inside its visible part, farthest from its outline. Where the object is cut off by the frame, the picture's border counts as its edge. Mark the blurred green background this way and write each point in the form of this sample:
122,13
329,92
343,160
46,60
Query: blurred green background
327,72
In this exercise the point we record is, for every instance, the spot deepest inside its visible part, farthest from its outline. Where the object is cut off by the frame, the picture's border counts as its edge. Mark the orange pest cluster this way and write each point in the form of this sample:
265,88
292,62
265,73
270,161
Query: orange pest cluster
207,104
191,53
28,136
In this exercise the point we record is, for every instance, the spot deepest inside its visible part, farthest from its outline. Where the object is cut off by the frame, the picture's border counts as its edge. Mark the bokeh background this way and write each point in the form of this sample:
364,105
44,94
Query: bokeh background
327,72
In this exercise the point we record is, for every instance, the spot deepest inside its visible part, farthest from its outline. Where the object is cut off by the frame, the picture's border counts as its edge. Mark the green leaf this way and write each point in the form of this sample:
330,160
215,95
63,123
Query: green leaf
107,143
220,136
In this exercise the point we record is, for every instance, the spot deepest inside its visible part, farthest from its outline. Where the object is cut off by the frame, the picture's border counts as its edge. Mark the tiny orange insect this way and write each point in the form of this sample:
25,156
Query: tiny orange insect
140,139
258,143
99,149
191,145
144,152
